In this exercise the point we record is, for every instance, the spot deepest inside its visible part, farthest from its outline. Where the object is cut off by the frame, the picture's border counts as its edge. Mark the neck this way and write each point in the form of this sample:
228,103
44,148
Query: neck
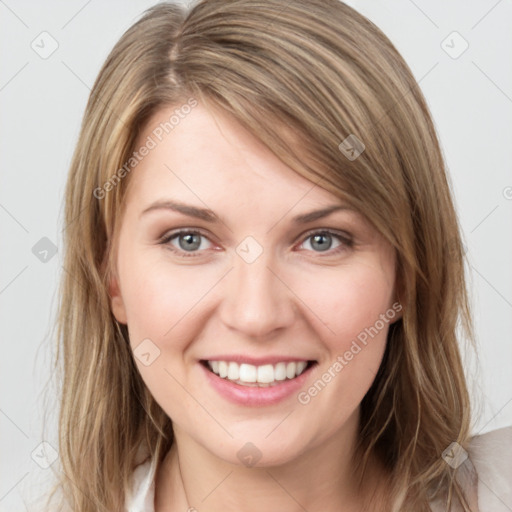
323,478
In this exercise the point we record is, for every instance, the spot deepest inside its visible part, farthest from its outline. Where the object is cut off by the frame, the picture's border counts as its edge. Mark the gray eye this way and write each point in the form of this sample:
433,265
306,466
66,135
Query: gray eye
189,241
321,241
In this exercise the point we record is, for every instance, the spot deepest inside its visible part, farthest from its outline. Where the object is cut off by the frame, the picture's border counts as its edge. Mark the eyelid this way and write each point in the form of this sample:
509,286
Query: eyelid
166,238
345,236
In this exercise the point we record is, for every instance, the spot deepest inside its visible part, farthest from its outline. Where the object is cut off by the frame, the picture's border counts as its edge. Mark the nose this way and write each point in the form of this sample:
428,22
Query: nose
257,301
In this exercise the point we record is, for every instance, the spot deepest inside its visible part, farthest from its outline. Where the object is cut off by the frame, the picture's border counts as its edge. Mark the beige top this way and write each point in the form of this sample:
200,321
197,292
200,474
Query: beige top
490,454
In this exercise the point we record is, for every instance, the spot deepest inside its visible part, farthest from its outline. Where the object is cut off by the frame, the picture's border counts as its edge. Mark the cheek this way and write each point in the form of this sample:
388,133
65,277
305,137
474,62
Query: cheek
350,302
354,306
162,298
163,302
343,379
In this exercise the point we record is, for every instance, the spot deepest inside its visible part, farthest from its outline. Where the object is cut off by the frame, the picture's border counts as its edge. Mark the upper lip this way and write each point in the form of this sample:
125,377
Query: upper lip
256,361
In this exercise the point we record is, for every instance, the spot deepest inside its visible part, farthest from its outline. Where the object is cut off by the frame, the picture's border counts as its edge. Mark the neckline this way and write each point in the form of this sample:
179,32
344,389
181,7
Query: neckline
142,494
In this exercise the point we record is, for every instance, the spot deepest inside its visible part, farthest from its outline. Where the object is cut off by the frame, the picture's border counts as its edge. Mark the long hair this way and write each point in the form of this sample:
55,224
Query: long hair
314,81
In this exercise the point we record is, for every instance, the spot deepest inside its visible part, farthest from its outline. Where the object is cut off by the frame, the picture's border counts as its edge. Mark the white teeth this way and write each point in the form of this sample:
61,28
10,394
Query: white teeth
233,371
223,369
300,367
266,373
280,371
250,374
291,368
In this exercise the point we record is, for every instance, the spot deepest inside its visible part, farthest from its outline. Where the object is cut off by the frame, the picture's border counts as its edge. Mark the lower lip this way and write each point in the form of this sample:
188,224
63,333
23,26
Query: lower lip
256,396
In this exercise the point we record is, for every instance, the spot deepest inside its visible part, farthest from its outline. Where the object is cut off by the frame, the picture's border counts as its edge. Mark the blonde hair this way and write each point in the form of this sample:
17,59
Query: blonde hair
301,78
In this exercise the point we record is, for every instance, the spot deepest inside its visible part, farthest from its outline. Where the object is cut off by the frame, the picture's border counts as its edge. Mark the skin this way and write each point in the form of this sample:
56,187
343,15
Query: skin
293,300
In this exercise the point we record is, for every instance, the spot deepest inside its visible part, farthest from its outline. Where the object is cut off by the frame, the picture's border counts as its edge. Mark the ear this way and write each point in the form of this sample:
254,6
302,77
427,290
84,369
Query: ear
397,307
398,293
116,300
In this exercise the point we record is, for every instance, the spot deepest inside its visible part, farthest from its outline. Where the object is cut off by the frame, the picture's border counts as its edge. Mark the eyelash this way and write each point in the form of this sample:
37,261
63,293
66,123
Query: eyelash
346,241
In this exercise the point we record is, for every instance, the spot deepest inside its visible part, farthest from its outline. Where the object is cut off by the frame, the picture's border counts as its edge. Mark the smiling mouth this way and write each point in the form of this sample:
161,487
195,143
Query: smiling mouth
258,376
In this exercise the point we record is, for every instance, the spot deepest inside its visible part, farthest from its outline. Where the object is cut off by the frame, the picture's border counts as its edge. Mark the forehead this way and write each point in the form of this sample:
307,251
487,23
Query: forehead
208,156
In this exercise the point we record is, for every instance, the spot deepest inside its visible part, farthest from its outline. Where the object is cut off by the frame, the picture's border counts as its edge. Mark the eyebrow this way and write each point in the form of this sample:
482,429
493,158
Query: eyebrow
209,216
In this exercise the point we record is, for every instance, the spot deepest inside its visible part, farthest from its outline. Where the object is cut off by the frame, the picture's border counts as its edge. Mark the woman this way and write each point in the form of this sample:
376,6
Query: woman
264,274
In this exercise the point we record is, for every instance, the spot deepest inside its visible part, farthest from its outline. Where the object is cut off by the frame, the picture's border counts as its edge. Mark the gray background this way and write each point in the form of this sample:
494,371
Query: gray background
41,104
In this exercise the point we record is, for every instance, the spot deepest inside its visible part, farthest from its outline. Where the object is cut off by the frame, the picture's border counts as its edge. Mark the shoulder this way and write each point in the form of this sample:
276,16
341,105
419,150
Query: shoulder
485,472
141,495
491,455
493,444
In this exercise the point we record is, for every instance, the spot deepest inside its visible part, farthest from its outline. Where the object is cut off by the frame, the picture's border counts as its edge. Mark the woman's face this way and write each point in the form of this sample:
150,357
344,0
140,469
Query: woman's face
254,283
